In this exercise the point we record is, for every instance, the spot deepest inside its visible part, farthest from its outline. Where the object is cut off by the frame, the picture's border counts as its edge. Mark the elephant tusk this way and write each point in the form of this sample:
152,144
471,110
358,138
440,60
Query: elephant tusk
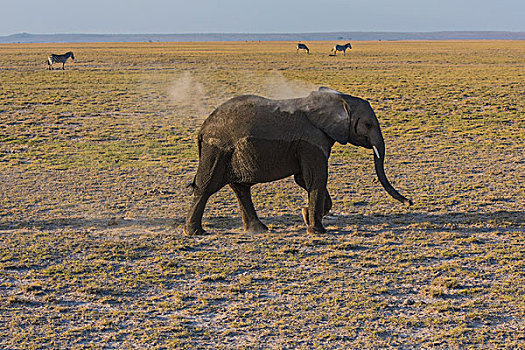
376,151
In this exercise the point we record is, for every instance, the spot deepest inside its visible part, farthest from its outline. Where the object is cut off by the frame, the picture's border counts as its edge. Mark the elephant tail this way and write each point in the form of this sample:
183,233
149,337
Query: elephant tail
193,184
199,144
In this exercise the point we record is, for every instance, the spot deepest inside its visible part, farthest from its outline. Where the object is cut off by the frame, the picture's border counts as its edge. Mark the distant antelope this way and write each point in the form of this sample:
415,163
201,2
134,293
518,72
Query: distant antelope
302,47
59,59
341,48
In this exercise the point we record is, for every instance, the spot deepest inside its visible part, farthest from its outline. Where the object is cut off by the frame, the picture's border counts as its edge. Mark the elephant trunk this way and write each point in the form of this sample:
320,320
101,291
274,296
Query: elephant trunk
379,161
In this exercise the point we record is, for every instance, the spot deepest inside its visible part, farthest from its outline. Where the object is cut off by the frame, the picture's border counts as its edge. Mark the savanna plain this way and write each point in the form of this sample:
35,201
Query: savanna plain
95,160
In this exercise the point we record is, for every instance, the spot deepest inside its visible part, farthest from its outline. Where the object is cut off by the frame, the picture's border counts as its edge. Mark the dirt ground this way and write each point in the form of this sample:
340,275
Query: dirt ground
95,162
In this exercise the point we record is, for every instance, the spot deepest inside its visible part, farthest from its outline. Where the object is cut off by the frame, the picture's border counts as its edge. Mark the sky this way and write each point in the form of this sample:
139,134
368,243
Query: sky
262,16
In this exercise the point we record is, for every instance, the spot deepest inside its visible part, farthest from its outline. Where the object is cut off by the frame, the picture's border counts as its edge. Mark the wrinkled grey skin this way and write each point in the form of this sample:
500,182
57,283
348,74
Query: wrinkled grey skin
250,139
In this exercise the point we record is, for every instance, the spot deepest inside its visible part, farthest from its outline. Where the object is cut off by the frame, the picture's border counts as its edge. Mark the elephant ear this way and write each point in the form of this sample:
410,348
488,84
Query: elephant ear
328,111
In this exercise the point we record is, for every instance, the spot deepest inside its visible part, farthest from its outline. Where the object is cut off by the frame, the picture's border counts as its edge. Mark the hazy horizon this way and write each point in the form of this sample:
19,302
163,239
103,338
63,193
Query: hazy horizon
266,33
236,16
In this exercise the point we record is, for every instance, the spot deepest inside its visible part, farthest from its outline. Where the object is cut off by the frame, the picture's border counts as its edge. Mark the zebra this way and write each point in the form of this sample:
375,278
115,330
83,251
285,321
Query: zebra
59,59
302,47
341,48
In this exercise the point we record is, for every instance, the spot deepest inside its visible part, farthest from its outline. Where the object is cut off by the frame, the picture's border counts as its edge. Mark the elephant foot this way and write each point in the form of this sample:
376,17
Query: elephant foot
315,230
304,212
194,231
256,227
311,229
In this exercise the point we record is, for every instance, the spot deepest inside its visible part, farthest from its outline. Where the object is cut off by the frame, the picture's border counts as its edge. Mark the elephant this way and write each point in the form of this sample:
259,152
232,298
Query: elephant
250,139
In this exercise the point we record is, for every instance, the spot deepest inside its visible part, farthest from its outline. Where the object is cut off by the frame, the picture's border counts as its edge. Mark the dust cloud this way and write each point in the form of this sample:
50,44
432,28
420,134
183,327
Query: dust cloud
200,94
186,91
276,86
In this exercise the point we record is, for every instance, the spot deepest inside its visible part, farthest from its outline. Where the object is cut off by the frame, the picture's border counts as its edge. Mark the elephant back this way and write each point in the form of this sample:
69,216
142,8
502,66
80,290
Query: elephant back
256,117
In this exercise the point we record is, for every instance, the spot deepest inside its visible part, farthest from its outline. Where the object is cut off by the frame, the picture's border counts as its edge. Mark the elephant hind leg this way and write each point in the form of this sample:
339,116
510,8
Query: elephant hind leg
250,220
193,225
210,178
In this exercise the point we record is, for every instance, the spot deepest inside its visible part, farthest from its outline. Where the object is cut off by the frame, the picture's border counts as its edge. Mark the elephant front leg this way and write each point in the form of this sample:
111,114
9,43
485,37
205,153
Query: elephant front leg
250,220
327,207
313,178
316,210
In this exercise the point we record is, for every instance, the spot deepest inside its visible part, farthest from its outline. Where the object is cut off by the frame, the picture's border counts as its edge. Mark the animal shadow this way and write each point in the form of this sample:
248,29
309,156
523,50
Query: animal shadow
455,221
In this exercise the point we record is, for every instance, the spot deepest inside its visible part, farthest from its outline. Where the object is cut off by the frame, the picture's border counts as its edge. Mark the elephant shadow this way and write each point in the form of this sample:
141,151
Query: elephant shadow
337,224
438,222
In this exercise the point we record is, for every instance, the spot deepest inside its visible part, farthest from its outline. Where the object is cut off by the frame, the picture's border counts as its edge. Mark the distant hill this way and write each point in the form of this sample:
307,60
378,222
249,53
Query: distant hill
334,36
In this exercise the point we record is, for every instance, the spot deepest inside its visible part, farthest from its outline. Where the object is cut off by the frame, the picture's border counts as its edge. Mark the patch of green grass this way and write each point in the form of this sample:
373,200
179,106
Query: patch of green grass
93,197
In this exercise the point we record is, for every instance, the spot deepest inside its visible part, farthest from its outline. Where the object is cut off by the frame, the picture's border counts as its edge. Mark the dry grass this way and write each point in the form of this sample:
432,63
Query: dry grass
93,166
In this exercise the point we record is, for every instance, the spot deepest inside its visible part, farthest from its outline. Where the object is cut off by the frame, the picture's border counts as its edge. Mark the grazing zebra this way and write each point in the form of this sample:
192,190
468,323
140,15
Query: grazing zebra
59,59
341,48
302,47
